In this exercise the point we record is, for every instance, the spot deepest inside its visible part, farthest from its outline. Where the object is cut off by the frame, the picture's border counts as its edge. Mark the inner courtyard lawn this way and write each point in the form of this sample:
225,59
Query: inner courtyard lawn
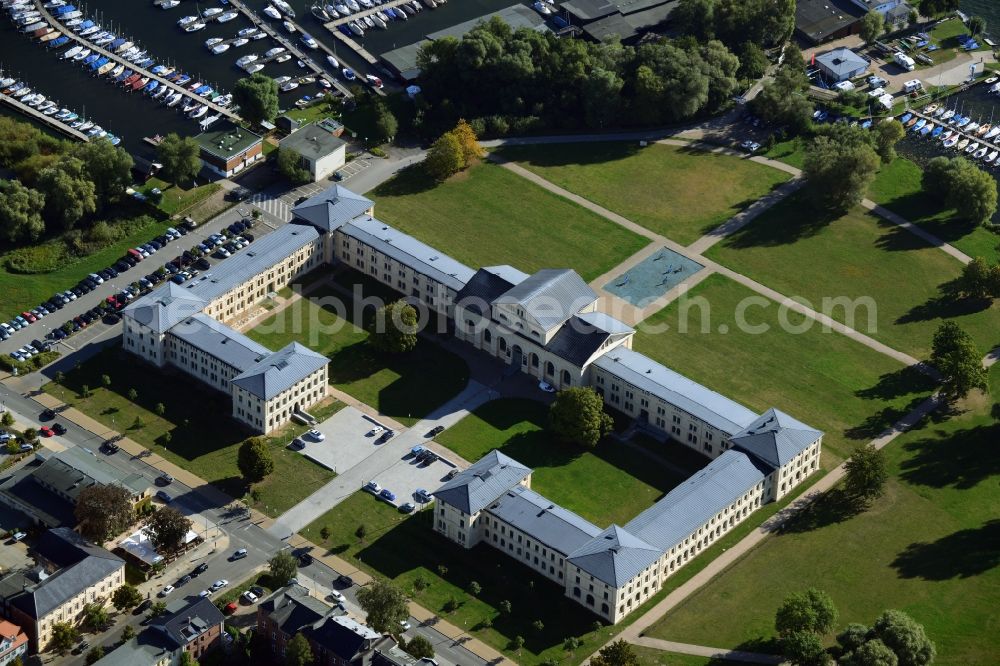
433,571
929,547
802,253
406,387
487,216
611,484
203,438
679,192
825,379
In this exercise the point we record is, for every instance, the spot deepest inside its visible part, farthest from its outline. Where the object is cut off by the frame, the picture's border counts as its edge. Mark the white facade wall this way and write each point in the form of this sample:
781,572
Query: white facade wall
201,365
143,342
325,166
71,610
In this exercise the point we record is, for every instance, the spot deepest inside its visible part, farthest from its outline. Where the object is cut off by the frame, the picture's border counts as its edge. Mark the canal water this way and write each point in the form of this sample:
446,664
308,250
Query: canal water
988,9
133,116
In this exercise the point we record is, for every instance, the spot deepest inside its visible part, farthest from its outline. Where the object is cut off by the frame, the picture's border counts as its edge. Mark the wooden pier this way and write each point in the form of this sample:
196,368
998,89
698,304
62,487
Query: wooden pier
294,49
973,137
353,45
349,41
366,12
139,70
48,121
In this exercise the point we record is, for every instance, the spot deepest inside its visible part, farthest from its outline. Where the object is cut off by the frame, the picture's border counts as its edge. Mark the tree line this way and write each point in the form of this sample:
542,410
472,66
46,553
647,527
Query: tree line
59,186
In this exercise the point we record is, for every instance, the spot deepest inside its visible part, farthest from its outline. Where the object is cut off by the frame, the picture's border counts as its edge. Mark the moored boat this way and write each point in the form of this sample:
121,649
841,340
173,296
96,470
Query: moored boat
272,12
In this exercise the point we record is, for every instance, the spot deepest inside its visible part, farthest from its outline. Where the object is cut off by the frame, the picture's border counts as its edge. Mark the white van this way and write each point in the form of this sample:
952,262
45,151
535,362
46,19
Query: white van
912,86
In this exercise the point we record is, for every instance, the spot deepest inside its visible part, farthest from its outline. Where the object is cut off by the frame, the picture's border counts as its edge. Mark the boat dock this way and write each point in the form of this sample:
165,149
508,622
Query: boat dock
293,47
972,137
48,121
353,45
392,4
139,70
334,27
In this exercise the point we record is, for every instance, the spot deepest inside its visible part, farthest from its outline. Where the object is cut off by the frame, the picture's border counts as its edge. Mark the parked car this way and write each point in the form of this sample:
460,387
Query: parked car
110,446
59,428
408,507
200,569
183,580
219,584
388,495
545,386
249,597
165,479
422,495
164,496
166,590
373,487
436,430
316,435
238,555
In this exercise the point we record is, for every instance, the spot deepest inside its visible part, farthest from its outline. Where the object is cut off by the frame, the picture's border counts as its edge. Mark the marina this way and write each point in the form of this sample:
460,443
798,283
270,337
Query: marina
47,120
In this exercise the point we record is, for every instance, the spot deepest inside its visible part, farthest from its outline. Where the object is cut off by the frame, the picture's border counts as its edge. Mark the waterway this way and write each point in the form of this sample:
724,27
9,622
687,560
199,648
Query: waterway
988,9
133,116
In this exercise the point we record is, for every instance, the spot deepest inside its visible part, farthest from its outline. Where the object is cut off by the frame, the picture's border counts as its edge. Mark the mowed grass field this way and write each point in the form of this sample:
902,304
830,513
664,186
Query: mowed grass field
929,547
610,484
406,387
825,379
487,216
203,438
800,253
679,192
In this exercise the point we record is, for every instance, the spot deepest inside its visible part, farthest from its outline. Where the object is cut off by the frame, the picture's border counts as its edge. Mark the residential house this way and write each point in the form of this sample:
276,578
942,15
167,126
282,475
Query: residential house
13,642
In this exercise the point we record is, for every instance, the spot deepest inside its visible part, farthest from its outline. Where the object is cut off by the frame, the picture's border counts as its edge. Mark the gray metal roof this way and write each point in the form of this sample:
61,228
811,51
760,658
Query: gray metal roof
72,470
170,303
332,208
615,556
410,252
694,502
547,522
842,63
188,620
550,296
312,141
818,19
482,483
163,307
279,371
579,340
647,375
775,437
143,650
219,341
292,608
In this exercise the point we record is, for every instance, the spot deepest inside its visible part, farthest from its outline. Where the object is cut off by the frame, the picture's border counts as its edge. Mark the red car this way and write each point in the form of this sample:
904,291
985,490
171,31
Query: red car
30,317
230,608
46,431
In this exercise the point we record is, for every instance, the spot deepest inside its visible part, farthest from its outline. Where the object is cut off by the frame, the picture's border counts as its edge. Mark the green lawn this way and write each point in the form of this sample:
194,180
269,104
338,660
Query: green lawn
679,192
897,187
929,547
203,438
792,151
22,292
825,379
611,484
398,386
487,216
177,199
801,253
650,657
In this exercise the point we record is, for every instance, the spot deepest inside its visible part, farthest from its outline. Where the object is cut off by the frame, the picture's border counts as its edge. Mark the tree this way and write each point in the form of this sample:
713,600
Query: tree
466,136
866,474
393,330
160,409
618,653
298,652
419,648
695,18
95,616
289,165
386,124
254,459
886,136
872,26
94,655
577,416
905,637
385,606
110,167
538,626
64,637
956,357
7,419
810,611
257,97
961,185
361,532
870,653
753,61
179,157
157,609
839,174
444,158
804,648
186,659
106,381
30,434
937,7
128,633
517,643
475,588
282,568
126,596
20,212
69,193
979,280
132,395
505,607
167,529
782,101
104,511
977,25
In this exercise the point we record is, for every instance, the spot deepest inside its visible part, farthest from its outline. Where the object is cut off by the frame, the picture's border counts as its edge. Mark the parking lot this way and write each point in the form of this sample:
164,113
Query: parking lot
350,440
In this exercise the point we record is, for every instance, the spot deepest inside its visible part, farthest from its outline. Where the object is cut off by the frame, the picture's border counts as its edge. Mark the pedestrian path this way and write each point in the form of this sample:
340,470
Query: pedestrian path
709,652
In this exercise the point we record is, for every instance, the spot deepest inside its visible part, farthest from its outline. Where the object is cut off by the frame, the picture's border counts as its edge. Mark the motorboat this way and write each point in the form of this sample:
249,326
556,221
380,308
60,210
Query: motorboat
379,23
947,135
981,153
253,68
175,99
151,86
247,32
116,71
71,52
226,17
995,88
332,11
282,79
169,4
220,48
198,113
356,29
400,14
374,81
186,21
190,105
284,57
272,12
211,11
323,83
81,55
86,125
124,75
194,86
194,27
539,7
223,100
972,147
353,5
308,41
333,62
289,26
161,92
243,61
288,86
991,157
209,43
983,129
367,4
284,8
369,23
270,53
320,13
182,79
259,35
342,8
239,41
430,4
919,124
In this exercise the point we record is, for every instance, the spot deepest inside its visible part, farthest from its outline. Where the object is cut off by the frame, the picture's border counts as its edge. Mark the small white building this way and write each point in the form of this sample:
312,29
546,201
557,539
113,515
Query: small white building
319,151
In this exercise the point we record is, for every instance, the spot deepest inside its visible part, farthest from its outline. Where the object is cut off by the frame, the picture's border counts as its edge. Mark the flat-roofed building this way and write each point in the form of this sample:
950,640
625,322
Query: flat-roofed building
821,21
320,151
229,149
